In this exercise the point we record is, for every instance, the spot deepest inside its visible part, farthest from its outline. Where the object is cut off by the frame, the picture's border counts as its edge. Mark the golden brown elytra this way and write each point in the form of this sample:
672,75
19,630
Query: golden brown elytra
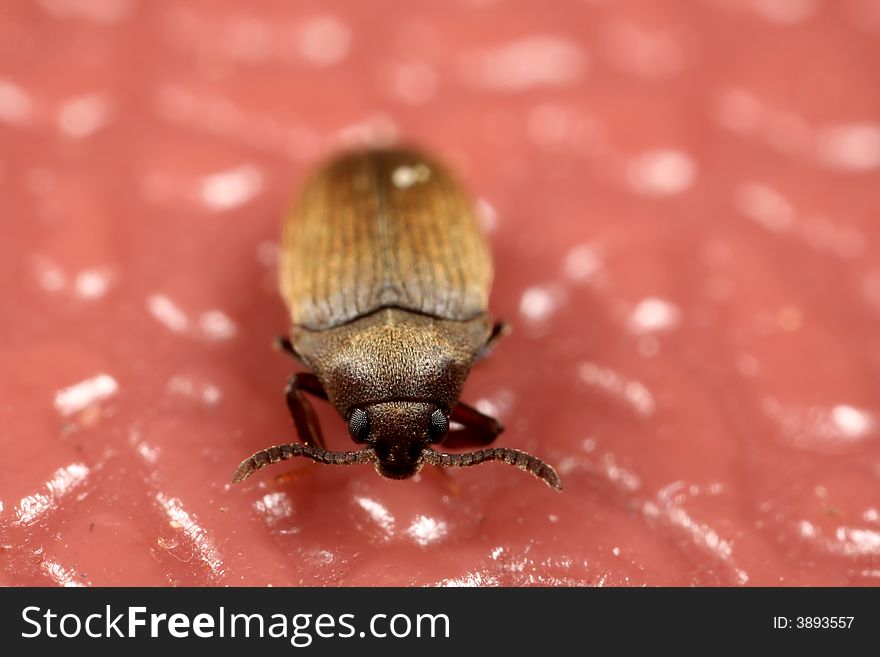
387,276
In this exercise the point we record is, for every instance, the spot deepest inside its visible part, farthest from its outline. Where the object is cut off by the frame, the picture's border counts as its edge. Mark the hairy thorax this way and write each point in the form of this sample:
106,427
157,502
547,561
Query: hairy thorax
393,354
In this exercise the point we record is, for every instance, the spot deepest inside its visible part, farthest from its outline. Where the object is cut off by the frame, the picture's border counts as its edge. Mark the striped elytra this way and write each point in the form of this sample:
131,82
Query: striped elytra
382,228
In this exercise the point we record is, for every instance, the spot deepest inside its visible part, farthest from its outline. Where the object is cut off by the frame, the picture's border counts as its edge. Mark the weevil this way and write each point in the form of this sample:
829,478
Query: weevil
386,276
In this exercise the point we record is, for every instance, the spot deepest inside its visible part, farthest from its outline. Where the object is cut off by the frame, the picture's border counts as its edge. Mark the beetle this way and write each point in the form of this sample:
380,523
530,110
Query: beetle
386,276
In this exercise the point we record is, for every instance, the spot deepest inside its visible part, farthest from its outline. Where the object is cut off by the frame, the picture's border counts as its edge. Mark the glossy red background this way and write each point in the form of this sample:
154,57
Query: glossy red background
682,200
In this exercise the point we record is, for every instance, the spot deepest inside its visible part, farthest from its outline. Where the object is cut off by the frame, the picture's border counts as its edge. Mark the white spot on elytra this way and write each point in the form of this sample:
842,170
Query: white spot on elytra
405,176
85,393
662,172
853,147
230,189
653,314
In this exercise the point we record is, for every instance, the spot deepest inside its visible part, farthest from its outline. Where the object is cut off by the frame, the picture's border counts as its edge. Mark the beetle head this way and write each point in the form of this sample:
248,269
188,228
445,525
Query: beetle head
398,437
398,432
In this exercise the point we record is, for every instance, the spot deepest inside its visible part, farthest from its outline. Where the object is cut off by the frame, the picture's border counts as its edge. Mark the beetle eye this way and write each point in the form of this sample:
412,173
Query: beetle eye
439,425
359,425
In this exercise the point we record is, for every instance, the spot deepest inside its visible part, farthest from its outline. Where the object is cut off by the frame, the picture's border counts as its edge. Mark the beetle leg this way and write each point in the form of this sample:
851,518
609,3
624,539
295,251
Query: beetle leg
477,428
282,343
499,330
301,409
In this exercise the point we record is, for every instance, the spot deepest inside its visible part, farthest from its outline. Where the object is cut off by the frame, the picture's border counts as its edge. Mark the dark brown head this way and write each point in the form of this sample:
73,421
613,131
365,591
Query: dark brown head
398,436
398,432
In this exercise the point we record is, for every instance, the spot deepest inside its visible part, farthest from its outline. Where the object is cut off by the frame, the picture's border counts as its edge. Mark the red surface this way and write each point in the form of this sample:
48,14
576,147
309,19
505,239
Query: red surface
682,200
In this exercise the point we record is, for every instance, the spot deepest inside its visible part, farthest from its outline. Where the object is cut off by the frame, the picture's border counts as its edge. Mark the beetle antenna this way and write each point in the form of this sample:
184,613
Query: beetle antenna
278,453
522,460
